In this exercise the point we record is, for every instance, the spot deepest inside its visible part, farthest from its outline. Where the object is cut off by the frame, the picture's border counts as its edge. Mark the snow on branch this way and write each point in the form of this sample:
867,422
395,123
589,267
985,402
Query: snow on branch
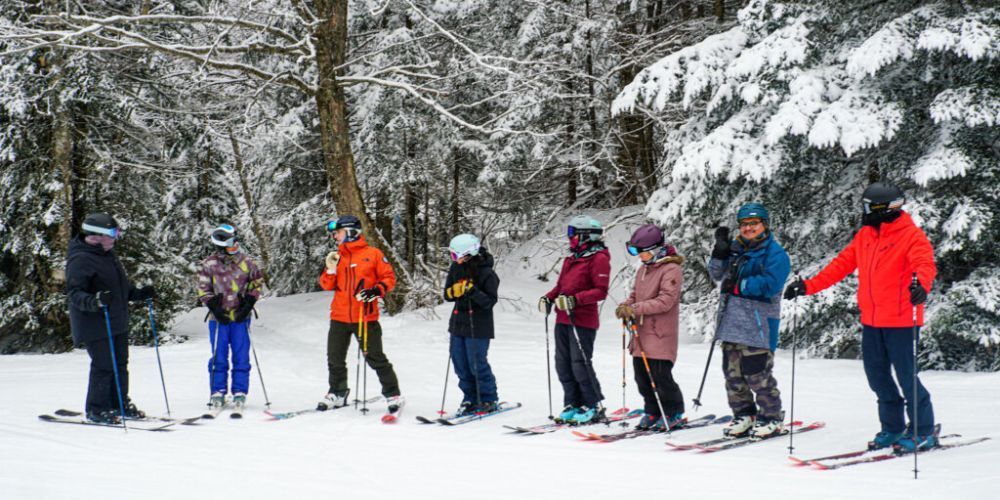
942,162
860,118
975,36
894,41
973,106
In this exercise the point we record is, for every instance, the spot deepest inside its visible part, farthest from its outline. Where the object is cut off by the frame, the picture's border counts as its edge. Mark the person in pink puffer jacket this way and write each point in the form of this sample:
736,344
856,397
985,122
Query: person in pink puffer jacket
652,309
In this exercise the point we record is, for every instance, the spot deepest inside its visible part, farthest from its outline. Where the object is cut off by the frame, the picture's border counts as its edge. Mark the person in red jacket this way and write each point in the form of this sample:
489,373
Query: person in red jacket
583,282
895,264
358,275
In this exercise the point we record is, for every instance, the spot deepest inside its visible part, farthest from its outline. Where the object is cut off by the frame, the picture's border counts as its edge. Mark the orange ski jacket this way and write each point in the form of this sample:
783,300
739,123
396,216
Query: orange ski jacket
360,266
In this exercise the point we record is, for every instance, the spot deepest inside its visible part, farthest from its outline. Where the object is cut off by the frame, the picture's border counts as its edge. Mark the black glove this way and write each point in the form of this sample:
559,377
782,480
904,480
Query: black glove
147,292
246,307
370,294
214,304
103,298
795,289
722,243
729,284
917,294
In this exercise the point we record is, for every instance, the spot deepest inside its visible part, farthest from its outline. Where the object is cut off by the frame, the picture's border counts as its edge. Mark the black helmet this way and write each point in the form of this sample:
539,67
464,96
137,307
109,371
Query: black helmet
102,224
882,198
349,222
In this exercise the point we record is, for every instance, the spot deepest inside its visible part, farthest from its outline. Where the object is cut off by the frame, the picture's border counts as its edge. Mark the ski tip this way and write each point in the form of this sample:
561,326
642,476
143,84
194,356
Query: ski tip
388,419
797,462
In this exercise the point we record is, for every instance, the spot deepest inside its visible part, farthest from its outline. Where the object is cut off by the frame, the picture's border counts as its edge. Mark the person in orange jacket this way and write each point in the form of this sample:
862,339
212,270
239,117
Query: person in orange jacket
358,275
888,251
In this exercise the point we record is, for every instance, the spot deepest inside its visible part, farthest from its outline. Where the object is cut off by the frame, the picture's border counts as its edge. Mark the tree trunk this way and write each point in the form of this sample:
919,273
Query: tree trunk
720,10
330,40
258,229
455,192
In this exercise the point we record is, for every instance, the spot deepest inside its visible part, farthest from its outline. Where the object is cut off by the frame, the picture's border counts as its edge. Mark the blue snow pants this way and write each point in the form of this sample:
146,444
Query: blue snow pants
885,348
223,339
469,357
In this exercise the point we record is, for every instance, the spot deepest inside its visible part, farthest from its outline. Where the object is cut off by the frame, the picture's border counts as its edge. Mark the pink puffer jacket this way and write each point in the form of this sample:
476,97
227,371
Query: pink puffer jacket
655,298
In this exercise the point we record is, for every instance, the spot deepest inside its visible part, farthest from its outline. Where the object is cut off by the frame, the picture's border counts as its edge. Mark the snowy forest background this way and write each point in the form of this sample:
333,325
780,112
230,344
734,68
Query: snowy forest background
433,117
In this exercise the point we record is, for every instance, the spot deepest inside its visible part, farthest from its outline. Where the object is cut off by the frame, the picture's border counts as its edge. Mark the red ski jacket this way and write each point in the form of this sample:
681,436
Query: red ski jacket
585,278
886,259
360,266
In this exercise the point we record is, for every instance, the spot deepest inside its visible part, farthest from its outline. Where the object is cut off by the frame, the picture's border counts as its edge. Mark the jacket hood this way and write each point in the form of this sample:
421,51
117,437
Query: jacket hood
78,245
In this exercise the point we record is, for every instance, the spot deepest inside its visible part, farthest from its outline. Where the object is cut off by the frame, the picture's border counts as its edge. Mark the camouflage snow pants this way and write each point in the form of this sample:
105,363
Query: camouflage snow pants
748,372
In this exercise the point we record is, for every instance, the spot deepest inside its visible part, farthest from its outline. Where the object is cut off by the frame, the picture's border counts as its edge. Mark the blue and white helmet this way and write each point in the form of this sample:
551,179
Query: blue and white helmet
462,245
224,236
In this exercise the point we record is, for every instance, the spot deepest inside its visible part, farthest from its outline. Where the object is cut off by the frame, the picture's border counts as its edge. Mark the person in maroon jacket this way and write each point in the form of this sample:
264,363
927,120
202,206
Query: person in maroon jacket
583,282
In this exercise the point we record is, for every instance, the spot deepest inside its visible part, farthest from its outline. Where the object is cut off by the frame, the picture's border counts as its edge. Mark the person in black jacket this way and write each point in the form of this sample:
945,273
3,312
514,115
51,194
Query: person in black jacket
472,286
95,280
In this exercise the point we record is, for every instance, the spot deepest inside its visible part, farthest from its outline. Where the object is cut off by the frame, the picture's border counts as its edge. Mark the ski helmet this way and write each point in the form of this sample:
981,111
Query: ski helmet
882,198
462,245
587,227
753,210
647,238
224,236
100,223
349,222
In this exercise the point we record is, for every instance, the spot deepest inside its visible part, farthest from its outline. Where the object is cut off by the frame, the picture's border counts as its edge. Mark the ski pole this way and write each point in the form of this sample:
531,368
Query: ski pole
548,358
624,329
444,393
114,365
795,309
916,433
260,372
586,360
211,364
363,325
357,369
723,299
649,373
475,362
156,345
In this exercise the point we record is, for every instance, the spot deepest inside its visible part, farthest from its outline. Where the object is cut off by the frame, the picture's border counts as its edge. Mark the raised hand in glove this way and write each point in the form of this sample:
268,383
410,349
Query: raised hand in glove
458,289
795,289
722,248
214,304
624,311
565,303
332,259
245,308
545,305
147,292
917,294
369,294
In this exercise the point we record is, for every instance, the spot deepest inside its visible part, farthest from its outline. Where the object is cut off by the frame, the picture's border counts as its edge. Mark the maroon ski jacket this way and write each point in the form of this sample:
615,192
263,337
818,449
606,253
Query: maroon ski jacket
585,278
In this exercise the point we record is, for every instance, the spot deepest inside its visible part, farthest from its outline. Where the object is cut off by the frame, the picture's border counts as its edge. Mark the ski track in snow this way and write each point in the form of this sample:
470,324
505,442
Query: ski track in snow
345,453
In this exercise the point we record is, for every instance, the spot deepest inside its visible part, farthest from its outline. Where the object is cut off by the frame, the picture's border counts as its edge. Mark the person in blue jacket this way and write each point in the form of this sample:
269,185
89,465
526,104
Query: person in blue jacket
752,268
472,285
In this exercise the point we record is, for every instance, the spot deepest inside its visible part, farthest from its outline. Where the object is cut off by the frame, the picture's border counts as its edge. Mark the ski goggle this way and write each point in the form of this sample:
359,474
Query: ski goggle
114,232
331,226
870,207
635,251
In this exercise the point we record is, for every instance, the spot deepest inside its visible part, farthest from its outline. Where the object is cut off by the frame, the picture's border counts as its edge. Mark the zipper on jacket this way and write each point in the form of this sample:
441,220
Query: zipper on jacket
871,270
760,327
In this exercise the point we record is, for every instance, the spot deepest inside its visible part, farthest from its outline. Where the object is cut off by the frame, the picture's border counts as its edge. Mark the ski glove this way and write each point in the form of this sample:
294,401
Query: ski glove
215,305
565,303
102,298
624,311
147,292
917,294
722,243
545,305
458,289
332,259
797,288
369,294
729,285
246,307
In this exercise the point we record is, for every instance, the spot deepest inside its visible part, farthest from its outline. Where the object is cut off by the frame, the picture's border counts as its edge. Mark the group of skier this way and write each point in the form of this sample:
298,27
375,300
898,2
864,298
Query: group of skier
751,266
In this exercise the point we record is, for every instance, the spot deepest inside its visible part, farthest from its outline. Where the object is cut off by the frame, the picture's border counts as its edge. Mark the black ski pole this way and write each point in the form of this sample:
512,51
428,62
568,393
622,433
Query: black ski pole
916,432
260,372
548,357
723,299
475,356
114,365
156,345
795,310
586,360
624,328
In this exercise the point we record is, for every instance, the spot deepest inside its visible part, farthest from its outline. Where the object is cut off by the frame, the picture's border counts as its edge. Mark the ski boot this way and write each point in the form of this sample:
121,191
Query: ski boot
588,415
333,401
217,400
909,443
239,401
567,414
109,417
394,403
487,407
885,439
739,426
465,409
647,422
131,412
672,422
765,428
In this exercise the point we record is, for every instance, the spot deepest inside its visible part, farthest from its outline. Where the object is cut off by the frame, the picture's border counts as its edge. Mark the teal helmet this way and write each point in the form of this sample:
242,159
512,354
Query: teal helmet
462,245
587,227
751,210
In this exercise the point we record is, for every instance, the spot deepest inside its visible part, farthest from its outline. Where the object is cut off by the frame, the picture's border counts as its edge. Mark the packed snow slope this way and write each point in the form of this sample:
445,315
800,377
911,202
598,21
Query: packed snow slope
345,454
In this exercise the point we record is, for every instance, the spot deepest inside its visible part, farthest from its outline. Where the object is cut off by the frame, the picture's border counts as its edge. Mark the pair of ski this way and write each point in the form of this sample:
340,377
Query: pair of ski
292,414
155,424
728,443
868,456
697,423
619,415
214,412
456,418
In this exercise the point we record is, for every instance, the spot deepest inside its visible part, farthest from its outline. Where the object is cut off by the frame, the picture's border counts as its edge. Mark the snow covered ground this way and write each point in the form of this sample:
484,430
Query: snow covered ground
346,453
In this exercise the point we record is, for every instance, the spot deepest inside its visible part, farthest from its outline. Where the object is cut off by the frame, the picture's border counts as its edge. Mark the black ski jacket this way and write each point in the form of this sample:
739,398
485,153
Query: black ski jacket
481,298
89,269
